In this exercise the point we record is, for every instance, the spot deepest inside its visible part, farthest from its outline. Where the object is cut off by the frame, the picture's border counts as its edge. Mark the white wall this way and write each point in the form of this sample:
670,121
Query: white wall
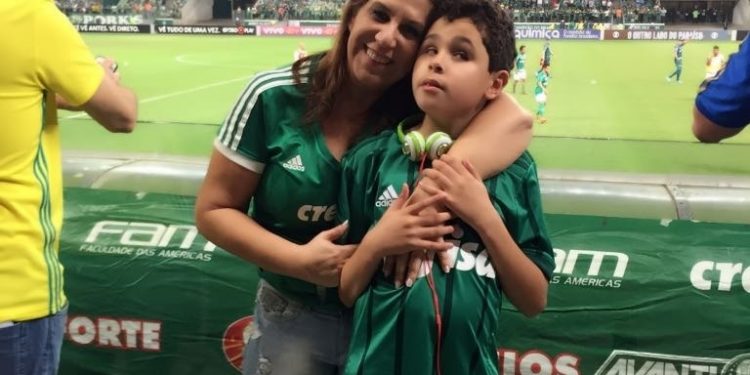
741,16
199,10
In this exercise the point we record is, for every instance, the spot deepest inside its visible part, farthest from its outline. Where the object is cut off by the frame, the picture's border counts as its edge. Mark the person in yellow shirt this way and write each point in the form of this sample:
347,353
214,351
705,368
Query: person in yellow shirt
714,63
45,64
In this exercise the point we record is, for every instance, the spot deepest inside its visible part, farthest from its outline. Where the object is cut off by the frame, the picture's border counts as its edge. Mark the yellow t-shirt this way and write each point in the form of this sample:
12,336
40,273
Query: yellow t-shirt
42,54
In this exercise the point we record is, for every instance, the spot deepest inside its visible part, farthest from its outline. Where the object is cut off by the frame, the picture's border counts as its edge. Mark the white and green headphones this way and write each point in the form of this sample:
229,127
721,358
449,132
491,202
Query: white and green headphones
415,146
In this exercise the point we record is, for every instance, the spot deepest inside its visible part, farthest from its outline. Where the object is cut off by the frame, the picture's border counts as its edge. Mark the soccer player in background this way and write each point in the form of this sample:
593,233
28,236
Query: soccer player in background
546,53
540,93
443,323
678,49
520,74
714,62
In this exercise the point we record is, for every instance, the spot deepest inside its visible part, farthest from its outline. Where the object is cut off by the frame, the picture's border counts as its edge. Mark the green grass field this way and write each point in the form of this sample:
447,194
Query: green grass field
610,107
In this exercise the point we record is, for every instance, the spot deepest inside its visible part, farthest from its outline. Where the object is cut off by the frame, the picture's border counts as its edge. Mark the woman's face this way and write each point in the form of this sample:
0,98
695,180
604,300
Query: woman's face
383,41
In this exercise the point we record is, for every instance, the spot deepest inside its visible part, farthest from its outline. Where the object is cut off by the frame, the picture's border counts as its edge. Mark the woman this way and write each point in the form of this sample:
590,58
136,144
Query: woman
280,146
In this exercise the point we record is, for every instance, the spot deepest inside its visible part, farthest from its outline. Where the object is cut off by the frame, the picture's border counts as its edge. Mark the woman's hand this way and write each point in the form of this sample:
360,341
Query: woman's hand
322,259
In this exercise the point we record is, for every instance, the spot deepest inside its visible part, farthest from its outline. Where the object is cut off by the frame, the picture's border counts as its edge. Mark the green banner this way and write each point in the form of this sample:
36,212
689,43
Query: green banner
148,295
628,297
637,297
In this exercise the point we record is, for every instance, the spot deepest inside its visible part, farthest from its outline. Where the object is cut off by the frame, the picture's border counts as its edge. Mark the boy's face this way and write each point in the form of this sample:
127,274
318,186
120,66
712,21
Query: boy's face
451,75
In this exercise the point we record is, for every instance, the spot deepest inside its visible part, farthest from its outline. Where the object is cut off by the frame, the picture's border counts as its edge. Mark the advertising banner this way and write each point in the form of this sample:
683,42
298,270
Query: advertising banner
635,297
206,30
708,35
538,34
125,29
582,34
588,34
107,19
264,30
149,295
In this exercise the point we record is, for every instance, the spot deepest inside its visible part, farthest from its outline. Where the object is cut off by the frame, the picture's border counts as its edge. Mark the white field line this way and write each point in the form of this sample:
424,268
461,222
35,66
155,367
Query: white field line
173,94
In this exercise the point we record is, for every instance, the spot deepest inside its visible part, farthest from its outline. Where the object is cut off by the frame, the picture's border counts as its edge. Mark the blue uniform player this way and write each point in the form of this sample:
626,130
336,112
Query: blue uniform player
722,107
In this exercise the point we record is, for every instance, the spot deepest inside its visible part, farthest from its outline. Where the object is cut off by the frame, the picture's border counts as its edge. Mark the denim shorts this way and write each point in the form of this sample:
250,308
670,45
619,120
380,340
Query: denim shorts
32,347
289,338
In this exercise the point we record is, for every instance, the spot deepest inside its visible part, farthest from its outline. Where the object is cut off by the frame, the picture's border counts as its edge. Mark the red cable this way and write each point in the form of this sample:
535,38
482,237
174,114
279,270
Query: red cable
435,301
438,319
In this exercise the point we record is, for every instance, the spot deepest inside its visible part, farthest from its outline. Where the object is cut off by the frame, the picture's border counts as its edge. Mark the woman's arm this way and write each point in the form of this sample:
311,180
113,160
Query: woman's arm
220,214
496,137
465,194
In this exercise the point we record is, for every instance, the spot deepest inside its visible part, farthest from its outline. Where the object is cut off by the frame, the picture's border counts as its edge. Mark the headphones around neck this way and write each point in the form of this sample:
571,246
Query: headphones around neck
415,146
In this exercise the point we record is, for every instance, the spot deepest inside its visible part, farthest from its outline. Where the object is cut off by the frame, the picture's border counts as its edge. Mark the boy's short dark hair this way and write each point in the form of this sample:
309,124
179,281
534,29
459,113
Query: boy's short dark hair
493,23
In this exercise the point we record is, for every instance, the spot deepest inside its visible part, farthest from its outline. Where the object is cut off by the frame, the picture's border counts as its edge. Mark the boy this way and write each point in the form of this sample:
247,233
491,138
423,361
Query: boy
443,323
540,93
520,74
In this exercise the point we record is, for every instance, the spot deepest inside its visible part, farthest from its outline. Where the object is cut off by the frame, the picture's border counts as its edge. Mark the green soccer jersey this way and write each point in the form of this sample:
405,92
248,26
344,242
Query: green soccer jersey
297,193
542,80
521,61
394,329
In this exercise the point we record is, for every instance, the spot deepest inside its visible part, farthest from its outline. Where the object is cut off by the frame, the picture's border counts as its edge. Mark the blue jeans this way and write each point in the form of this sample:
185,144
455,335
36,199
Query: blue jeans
289,338
32,347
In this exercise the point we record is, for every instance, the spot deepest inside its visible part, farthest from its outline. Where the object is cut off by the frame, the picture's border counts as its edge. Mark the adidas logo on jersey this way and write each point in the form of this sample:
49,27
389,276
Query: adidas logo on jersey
294,164
386,199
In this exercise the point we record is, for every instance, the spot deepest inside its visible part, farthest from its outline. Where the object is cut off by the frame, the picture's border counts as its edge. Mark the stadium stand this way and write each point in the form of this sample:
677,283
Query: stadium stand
572,13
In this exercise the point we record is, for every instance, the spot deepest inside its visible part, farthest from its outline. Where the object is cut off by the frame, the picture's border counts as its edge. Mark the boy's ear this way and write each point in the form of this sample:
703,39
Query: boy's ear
499,80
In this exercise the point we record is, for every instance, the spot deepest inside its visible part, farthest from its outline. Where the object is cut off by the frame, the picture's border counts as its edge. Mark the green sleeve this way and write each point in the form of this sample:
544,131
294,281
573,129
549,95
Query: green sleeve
533,237
519,203
351,203
242,136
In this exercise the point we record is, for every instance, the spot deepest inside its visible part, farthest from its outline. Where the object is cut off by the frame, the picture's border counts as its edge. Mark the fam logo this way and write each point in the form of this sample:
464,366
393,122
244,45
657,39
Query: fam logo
147,239
720,276
590,268
235,338
624,362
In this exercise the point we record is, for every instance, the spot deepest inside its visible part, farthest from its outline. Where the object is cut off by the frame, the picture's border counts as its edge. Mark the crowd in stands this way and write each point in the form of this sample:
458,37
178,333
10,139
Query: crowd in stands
293,9
574,13
606,11
150,9
588,12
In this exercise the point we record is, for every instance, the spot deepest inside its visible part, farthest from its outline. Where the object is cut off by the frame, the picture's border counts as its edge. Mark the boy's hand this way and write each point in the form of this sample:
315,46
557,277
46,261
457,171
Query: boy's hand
402,229
465,194
406,267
